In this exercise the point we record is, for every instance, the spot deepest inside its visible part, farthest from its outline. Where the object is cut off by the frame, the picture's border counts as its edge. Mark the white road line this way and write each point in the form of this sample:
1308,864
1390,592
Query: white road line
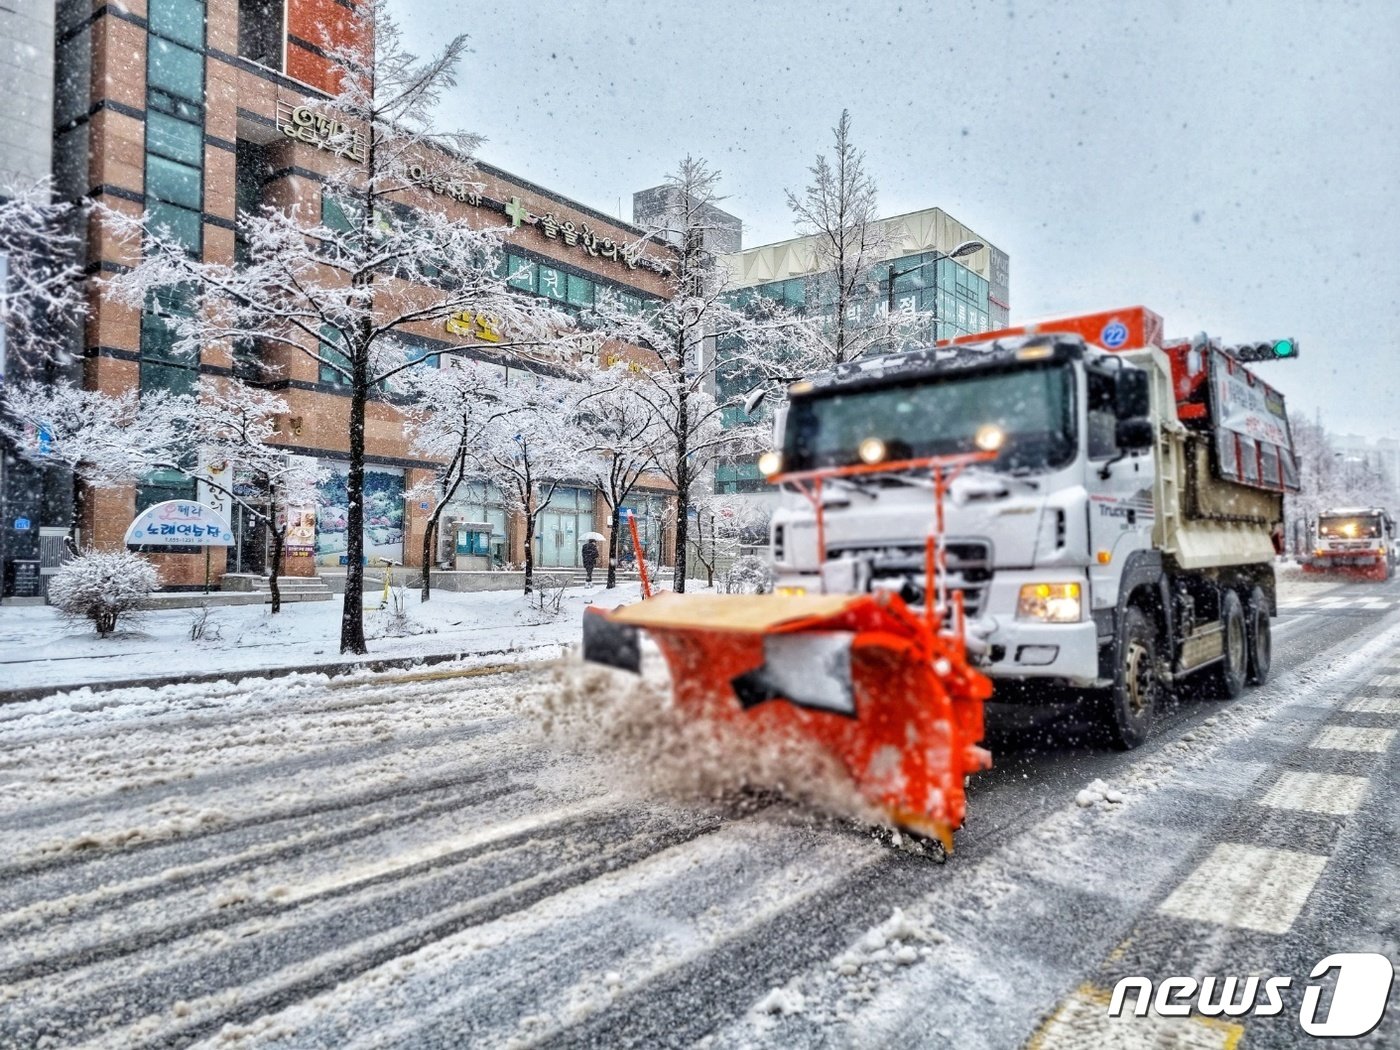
1249,887
1352,738
1374,705
1386,679
1316,793
1082,1023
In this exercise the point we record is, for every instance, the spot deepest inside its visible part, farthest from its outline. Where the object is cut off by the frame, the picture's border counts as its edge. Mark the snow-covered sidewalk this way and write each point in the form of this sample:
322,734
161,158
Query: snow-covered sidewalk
38,650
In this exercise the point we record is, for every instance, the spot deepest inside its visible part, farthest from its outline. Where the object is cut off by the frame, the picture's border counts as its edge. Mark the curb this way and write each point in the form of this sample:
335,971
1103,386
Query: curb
332,670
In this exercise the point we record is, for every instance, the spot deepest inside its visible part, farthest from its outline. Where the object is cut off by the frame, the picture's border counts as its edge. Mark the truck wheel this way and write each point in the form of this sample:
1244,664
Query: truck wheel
1132,702
1261,638
1229,674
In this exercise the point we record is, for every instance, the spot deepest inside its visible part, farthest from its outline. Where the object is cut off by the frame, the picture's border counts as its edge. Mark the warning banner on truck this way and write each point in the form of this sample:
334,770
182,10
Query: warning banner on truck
1252,441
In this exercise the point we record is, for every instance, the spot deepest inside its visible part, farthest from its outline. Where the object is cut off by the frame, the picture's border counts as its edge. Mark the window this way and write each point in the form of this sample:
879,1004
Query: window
261,31
181,20
181,224
330,350
552,283
520,273
163,367
176,70
162,485
1103,421
175,183
580,291
175,116
173,138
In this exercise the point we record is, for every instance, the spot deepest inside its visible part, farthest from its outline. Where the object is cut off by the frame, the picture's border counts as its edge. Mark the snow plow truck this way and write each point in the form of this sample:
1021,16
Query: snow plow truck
1077,509
1354,541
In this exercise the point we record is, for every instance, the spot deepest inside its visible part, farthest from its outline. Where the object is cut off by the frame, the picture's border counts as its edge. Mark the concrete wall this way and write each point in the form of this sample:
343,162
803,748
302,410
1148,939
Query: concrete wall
26,84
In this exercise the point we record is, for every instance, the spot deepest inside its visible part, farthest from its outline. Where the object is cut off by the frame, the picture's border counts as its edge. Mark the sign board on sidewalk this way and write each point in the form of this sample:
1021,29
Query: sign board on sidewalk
180,523
22,578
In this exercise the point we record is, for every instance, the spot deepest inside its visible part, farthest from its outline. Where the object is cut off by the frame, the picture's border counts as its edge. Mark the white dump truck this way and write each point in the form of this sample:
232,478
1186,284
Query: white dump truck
1116,539
1357,541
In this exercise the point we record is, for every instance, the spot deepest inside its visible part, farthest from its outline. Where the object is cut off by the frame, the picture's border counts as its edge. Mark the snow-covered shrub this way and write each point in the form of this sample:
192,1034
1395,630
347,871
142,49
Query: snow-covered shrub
205,626
749,575
395,621
102,586
548,595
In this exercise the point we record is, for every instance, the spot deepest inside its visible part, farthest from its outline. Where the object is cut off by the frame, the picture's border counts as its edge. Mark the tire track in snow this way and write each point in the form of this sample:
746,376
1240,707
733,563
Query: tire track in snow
84,907
84,854
314,971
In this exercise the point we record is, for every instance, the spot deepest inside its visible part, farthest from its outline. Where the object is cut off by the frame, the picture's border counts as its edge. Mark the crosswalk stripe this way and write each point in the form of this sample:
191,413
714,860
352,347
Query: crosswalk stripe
1250,887
1352,738
1373,705
1316,793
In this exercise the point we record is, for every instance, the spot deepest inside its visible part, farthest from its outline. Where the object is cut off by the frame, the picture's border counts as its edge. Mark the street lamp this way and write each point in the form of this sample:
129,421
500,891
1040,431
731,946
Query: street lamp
966,248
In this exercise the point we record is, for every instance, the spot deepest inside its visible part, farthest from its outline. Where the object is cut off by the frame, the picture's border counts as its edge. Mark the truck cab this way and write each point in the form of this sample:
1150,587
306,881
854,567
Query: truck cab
1036,538
1071,545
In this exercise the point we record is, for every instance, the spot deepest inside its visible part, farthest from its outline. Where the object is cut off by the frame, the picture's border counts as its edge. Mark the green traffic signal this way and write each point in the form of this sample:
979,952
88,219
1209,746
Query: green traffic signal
1285,348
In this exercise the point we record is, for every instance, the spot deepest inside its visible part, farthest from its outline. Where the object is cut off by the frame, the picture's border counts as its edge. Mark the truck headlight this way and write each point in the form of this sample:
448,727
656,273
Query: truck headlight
1050,603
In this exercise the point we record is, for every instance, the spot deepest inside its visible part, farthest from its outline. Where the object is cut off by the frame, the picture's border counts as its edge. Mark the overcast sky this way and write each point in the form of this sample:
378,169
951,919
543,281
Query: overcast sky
1233,166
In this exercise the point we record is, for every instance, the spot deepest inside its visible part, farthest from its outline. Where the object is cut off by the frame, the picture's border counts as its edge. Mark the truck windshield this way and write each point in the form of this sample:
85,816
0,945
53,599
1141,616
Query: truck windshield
1354,527
932,416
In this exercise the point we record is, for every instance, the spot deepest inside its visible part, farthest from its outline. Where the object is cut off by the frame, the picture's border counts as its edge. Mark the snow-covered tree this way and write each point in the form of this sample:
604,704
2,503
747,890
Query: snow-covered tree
679,384
235,423
41,293
529,446
839,210
388,261
723,522
622,437
104,440
453,406
102,586
111,440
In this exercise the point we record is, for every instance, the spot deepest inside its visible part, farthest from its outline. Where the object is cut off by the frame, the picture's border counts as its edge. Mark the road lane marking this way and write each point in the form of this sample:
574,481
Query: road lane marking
1386,680
1249,887
1316,793
1352,738
1082,1023
1374,705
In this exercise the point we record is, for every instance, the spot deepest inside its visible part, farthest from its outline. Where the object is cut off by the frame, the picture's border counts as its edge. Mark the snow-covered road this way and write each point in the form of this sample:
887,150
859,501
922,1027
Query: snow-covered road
417,860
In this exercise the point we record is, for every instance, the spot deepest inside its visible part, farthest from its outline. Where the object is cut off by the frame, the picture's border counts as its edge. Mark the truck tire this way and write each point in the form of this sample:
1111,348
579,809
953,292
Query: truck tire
1130,705
1261,638
1228,675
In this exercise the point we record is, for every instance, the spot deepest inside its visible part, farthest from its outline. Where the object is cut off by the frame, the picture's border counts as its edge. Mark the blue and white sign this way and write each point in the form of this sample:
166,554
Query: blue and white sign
180,523
21,524
1114,334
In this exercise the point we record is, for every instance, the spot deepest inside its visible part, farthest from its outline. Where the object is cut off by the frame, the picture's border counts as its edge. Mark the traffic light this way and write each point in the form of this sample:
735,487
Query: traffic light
1268,350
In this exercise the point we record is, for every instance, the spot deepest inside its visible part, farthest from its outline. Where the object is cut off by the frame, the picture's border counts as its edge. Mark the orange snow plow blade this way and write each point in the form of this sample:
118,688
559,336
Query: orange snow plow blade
862,676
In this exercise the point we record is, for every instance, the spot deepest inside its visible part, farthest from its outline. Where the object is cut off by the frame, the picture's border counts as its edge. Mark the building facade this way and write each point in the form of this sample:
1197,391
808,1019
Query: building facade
947,297
195,111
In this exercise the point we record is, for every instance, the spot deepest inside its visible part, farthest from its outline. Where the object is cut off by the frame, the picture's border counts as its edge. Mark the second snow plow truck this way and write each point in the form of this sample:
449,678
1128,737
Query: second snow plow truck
1355,541
1079,509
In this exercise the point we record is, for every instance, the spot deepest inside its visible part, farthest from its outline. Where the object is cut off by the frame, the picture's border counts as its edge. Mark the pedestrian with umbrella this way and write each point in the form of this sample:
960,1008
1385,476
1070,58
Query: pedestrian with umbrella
590,554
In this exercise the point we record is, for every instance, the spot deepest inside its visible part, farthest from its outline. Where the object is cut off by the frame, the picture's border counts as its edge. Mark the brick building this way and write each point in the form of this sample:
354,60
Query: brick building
195,110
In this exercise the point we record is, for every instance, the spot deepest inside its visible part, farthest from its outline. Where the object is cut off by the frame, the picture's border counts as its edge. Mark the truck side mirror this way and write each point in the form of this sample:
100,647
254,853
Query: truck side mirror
1131,397
1133,435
